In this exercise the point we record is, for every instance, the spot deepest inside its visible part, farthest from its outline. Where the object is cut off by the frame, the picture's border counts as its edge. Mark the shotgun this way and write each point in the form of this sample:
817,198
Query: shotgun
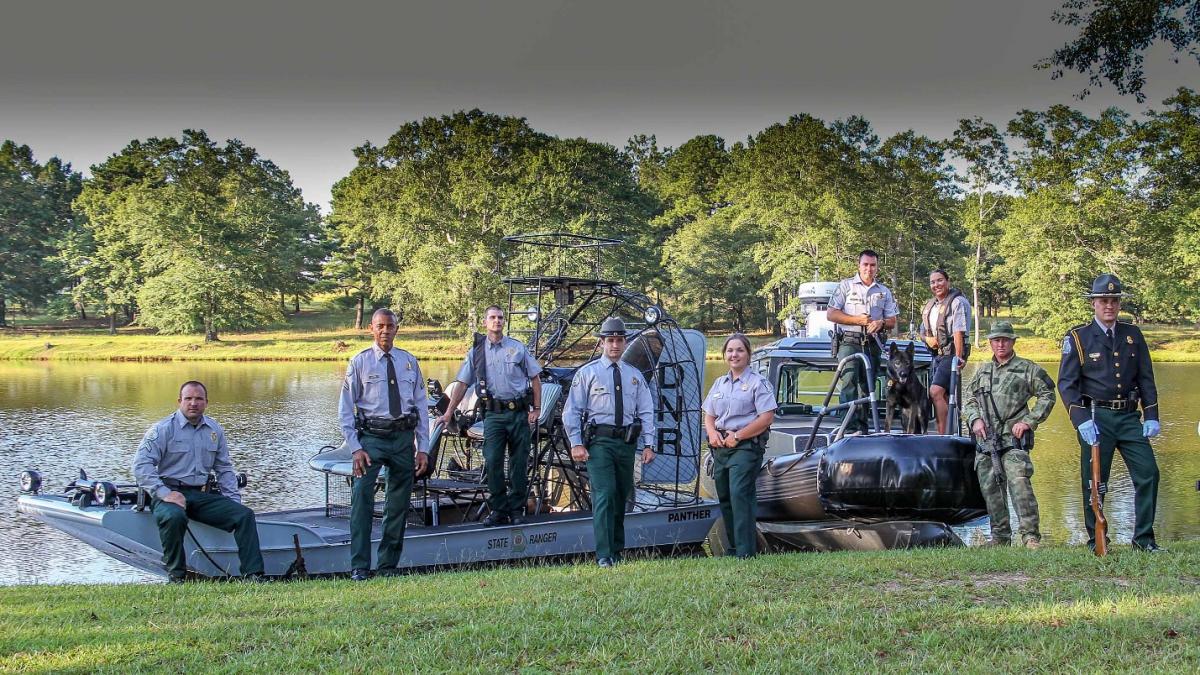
1097,488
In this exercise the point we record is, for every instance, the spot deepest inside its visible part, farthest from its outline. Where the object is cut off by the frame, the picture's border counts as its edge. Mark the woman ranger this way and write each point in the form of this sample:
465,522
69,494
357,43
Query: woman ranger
738,411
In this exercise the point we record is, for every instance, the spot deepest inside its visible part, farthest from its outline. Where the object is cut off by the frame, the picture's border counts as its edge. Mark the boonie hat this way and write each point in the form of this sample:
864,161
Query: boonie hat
1001,329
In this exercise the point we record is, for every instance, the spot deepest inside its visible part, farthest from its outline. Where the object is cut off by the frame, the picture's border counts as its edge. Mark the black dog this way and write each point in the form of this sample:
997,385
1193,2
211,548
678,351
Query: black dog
905,393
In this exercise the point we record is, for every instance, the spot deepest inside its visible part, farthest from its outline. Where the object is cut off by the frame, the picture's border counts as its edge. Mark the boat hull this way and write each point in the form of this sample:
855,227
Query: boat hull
131,536
871,492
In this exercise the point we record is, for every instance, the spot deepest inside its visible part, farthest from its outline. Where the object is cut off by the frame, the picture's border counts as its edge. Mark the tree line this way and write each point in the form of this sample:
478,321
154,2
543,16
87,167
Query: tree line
189,235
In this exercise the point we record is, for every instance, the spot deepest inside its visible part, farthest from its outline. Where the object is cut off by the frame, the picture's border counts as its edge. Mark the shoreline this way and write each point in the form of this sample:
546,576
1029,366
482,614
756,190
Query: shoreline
427,343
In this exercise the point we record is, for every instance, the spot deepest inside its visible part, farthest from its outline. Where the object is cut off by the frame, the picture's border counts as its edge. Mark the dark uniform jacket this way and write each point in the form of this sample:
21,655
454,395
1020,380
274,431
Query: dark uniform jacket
1094,368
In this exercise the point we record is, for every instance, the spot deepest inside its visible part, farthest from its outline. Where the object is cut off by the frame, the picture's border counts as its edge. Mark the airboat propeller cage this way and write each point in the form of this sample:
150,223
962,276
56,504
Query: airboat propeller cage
558,300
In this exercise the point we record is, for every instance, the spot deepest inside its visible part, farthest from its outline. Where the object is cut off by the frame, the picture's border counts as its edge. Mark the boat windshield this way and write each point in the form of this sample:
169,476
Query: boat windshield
803,383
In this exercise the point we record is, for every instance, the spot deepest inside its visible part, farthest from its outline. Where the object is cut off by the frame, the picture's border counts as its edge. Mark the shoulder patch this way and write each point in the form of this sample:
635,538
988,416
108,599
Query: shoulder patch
152,433
1066,345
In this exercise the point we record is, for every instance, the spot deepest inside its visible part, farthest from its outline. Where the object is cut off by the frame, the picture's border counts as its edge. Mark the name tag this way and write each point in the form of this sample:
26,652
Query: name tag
599,390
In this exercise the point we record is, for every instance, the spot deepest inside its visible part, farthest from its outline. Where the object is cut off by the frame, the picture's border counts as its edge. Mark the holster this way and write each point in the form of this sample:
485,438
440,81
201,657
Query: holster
633,432
1025,442
835,343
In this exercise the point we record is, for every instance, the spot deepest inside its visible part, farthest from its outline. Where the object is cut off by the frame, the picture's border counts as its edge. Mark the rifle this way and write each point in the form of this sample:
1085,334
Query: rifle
1097,489
991,440
297,569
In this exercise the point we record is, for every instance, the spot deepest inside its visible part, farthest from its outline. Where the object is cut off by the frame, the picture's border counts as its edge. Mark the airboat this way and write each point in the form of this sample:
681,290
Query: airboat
557,296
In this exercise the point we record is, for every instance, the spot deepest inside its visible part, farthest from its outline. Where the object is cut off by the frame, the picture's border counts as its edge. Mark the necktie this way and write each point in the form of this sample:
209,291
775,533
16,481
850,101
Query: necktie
1109,334
393,388
619,411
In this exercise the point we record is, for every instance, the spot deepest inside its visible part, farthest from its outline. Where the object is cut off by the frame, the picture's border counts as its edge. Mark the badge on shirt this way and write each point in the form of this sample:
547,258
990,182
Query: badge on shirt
1129,339
1095,356
717,395
745,387
408,365
213,436
511,351
635,381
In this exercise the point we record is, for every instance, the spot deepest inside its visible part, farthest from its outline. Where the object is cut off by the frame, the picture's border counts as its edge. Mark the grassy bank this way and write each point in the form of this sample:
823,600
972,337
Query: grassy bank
964,610
320,334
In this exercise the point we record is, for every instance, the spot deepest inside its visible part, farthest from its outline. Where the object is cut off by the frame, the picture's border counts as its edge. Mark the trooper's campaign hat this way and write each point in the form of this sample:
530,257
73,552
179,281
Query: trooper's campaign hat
1107,286
612,326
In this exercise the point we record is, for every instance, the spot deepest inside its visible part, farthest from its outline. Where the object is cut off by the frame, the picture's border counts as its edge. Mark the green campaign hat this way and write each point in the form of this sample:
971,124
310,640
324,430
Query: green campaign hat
612,326
1107,286
1002,329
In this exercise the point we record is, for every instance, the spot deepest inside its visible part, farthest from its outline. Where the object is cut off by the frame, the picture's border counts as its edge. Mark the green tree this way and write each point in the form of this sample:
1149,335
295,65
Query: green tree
910,220
797,184
442,193
713,276
1115,34
35,212
984,155
1079,214
1170,145
216,232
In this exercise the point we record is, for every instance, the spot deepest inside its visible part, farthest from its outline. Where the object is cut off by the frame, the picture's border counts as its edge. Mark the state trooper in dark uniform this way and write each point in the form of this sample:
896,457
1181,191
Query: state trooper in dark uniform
608,411
384,415
509,384
1107,363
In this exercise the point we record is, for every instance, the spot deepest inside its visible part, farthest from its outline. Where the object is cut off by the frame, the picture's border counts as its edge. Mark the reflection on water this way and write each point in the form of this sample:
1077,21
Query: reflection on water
59,417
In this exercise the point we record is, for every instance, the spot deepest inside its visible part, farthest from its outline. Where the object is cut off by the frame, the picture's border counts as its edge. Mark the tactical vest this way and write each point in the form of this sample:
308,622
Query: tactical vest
945,338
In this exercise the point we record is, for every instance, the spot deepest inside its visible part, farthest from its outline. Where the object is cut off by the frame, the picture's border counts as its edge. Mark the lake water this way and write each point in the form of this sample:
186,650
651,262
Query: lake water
60,417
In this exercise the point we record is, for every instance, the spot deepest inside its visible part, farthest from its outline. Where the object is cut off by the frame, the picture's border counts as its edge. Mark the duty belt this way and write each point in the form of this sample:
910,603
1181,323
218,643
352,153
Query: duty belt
1124,405
499,404
610,430
180,485
859,338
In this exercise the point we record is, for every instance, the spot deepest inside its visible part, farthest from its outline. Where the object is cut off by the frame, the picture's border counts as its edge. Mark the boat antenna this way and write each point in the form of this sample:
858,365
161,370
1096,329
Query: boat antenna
912,295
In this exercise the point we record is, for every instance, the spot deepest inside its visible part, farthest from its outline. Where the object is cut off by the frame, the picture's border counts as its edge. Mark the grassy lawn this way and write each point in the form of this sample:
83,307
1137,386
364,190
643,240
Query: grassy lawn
960,610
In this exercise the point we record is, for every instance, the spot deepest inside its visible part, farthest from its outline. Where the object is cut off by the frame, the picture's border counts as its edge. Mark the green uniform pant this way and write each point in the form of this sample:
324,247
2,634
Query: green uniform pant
734,472
212,509
854,382
396,453
1018,469
1123,431
506,433
610,472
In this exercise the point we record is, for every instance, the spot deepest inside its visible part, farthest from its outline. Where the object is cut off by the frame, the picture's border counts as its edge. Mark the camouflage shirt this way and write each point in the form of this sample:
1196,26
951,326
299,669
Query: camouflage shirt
1012,385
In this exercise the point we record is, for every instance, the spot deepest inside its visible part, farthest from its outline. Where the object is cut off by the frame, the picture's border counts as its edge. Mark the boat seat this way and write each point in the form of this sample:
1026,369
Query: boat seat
468,493
475,433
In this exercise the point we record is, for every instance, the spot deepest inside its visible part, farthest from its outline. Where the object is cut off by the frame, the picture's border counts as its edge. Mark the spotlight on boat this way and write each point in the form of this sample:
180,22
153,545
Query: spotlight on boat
532,314
31,481
104,493
652,314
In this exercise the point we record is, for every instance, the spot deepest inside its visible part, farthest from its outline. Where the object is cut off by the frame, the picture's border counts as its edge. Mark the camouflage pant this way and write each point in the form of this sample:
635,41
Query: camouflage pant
1018,469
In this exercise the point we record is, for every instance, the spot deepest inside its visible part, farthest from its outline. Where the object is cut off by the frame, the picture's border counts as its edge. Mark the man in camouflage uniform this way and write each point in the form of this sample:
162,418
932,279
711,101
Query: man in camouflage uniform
999,394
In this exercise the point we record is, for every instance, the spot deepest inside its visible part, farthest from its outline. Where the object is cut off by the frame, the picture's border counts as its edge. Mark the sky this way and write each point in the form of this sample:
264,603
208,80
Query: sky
306,82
